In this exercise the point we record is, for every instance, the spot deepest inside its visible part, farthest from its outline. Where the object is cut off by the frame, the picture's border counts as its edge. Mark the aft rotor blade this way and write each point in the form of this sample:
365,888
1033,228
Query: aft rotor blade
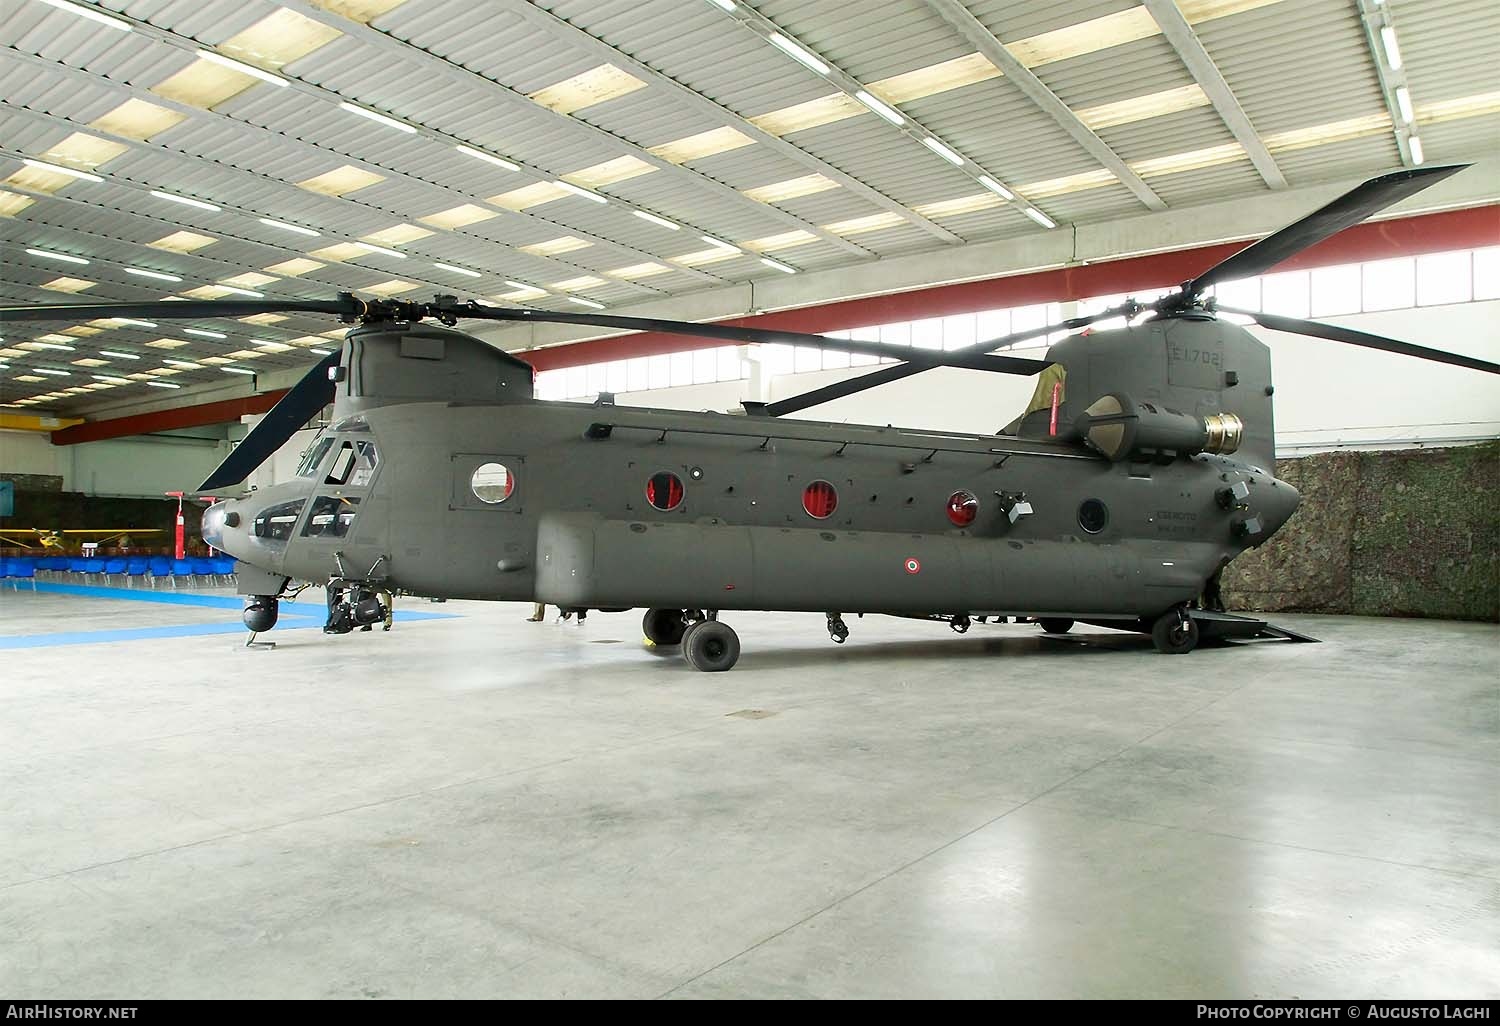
885,375
188,308
293,410
1348,210
971,357
1335,333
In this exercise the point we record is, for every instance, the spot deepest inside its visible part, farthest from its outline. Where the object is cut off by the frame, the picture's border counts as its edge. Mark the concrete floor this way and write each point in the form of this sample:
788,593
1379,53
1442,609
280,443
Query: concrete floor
478,806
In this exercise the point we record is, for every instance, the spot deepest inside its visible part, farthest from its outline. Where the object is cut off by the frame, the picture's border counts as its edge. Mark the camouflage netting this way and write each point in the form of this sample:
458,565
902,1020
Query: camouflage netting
1412,532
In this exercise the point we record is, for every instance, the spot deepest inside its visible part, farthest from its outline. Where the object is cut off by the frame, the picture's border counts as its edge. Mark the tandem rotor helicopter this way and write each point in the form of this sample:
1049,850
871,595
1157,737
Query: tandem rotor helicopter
1143,465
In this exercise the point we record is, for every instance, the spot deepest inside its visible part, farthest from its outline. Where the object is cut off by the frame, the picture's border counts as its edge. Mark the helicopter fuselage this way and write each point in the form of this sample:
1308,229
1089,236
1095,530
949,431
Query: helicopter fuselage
599,506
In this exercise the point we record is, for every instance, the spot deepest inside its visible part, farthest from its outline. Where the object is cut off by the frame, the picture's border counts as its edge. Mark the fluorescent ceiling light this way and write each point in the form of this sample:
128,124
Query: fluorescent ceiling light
120,356
884,110
778,265
42,165
183,199
459,270
995,187
320,352
162,384
942,151
576,191
490,158
1415,145
152,274
720,243
656,220
205,333
54,373
1403,101
89,13
1040,218
132,320
53,345
57,256
183,363
243,69
381,250
586,302
376,116
519,285
797,53
237,370
242,292
723,5
1392,50
289,227
112,381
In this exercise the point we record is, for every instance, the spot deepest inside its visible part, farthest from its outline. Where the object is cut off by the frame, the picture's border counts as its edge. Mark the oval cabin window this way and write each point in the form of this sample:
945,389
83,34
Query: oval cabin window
493,483
963,507
820,499
664,491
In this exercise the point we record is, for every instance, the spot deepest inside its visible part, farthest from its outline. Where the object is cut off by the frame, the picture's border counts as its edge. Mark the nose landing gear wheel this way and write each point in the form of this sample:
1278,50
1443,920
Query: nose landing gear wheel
663,626
1175,633
711,646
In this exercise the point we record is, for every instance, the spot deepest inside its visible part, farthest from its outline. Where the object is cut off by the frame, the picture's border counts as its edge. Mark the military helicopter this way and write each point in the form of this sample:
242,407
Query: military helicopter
1142,466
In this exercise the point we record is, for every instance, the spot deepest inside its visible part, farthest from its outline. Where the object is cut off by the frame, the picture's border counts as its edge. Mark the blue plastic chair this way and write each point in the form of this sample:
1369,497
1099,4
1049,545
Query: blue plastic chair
136,566
113,566
19,570
224,568
78,565
93,566
160,567
182,568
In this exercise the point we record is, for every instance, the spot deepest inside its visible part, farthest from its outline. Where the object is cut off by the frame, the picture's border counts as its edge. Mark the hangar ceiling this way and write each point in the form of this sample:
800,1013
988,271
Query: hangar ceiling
580,154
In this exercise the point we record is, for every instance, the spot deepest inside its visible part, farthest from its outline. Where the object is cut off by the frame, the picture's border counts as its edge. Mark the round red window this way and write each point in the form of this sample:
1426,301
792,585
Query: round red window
664,491
963,507
820,500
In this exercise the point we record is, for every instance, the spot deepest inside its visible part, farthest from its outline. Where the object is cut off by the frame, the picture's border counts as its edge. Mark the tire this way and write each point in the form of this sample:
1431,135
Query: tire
663,626
1170,638
711,646
1055,626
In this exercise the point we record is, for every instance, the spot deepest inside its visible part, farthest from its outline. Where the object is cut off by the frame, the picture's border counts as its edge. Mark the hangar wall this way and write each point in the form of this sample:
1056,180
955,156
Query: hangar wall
140,466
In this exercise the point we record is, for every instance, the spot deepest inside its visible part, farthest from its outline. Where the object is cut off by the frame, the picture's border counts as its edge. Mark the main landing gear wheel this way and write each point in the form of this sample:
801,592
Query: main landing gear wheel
1175,633
664,626
1055,625
711,646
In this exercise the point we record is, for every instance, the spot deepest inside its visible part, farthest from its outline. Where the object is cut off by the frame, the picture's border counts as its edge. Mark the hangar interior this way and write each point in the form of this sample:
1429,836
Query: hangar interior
473,805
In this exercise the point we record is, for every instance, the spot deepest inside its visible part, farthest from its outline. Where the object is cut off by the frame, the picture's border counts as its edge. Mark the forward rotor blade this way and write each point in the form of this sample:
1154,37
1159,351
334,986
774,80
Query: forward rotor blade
1335,333
973,358
885,375
187,308
1349,209
294,409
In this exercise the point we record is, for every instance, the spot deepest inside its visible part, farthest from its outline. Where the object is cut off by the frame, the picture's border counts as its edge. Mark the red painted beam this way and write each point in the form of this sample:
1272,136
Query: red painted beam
1407,236
166,420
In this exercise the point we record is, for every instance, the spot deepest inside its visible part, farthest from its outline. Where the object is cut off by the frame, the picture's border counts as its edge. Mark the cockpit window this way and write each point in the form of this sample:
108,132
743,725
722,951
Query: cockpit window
314,456
275,523
354,465
332,516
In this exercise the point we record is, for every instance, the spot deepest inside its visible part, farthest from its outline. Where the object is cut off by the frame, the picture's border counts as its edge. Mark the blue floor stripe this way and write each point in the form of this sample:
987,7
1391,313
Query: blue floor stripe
309,615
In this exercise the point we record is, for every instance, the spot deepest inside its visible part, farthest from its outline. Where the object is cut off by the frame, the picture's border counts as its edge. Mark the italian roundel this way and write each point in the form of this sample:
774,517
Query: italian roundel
913,566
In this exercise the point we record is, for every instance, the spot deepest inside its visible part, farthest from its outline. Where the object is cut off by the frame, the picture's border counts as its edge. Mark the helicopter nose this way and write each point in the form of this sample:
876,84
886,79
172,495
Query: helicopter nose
215,518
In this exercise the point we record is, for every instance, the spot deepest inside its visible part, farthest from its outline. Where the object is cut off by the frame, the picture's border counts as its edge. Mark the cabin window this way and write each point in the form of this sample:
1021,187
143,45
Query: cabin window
343,464
1093,516
820,499
664,491
331,516
314,456
275,523
366,459
963,507
493,483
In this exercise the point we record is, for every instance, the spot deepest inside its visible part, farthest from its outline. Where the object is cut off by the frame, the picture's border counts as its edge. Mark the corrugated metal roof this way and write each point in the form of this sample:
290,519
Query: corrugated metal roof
462,72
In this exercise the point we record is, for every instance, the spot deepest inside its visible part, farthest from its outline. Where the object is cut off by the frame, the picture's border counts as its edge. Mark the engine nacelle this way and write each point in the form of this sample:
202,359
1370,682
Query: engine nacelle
1121,428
